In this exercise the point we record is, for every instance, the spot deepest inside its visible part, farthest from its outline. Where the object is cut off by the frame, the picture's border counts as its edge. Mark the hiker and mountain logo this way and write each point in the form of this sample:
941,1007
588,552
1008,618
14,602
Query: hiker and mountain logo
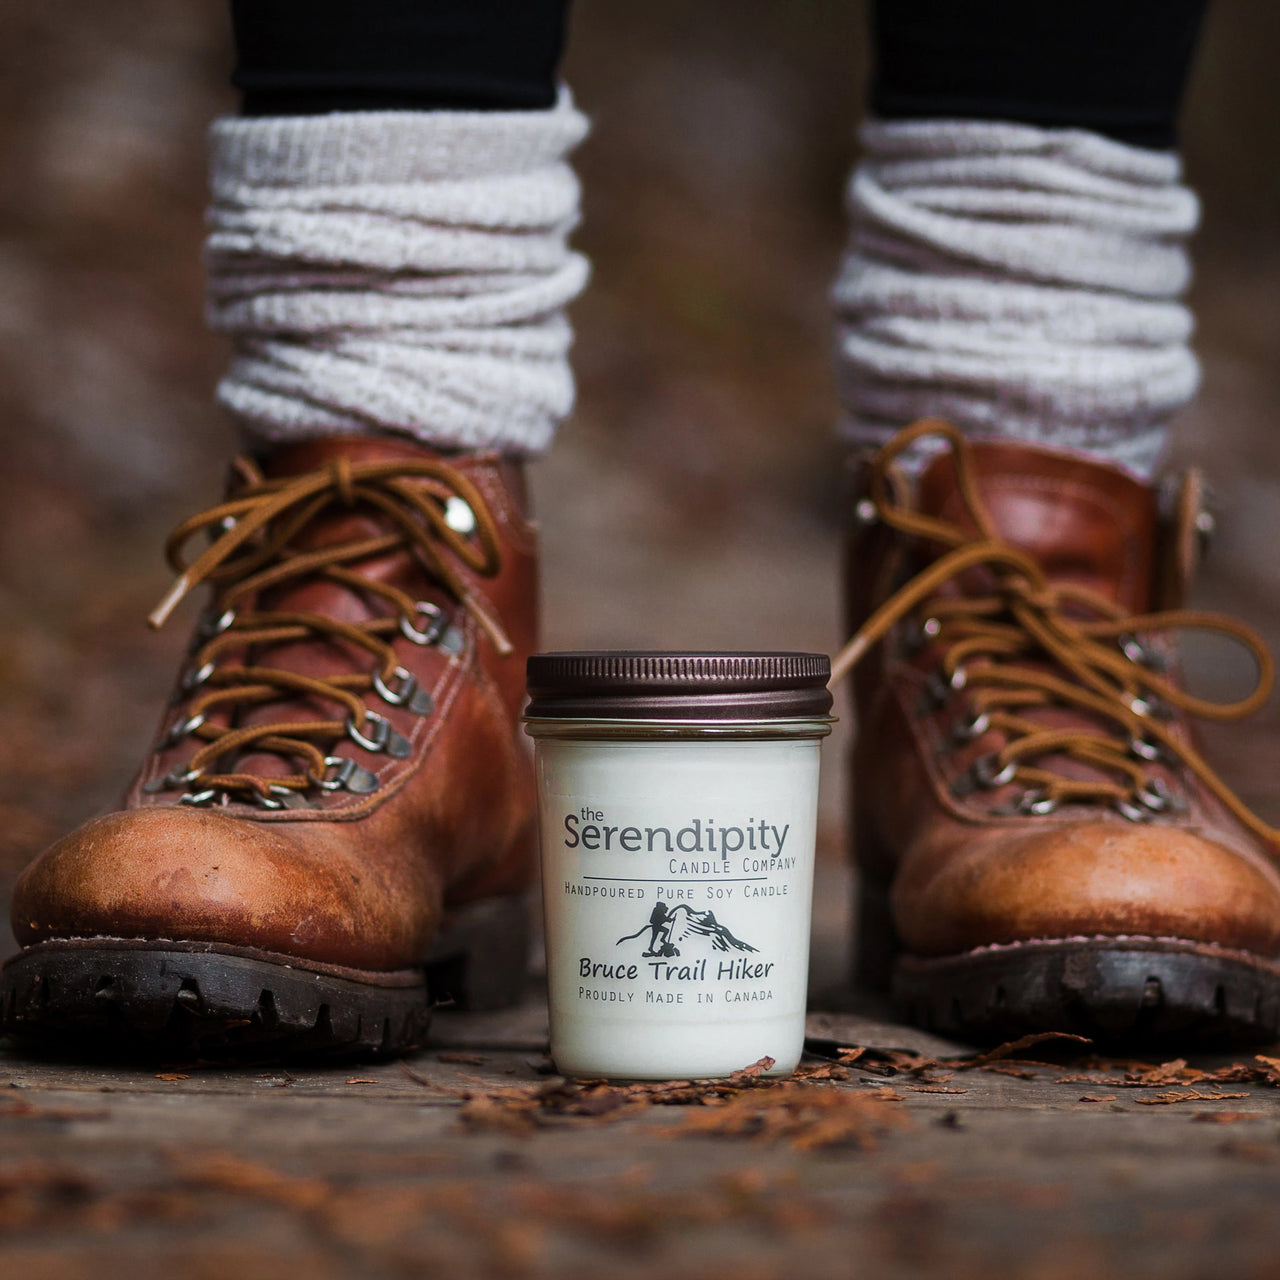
670,928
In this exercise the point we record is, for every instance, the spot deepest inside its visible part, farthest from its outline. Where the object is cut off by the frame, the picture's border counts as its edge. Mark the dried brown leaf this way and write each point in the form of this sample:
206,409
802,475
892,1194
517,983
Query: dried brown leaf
1016,1046
1189,1095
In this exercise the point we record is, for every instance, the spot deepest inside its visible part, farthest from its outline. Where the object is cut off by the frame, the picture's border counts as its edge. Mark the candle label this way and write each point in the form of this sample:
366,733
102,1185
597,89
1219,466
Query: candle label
703,916
677,880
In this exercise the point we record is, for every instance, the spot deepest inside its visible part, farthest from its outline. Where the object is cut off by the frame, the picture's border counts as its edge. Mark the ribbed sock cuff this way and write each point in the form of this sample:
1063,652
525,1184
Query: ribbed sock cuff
399,272
1019,282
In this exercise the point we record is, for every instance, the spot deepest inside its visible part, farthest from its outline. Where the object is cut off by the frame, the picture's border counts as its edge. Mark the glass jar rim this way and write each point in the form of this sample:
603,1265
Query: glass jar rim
601,729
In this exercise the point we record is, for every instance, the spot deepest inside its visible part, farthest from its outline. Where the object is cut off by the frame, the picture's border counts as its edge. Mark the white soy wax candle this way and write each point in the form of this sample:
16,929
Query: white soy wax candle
678,803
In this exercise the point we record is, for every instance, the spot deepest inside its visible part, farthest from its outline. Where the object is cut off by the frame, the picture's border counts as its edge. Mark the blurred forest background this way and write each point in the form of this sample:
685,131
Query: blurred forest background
694,499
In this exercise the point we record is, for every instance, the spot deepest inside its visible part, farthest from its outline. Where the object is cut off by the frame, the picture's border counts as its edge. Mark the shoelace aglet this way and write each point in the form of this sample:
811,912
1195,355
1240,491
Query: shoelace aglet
848,658
491,626
172,598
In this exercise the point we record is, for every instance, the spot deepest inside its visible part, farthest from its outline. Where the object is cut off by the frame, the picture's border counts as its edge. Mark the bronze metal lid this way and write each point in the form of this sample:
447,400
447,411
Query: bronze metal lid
626,685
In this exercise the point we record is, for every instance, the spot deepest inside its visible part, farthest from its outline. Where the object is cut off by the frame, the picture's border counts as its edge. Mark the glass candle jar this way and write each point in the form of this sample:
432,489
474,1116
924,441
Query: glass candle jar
678,797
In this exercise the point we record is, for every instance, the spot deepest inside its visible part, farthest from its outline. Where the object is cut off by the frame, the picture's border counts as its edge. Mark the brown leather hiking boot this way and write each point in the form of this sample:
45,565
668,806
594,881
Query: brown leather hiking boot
339,794
1041,846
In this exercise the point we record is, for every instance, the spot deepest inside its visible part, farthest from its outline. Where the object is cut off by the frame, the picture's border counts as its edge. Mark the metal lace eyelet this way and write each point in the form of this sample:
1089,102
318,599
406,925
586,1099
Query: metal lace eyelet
1156,795
198,799
866,512
1133,649
406,693
1134,813
937,693
967,730
1150,706
347,774
179,776
920,634
194,679
959,678
1140,654
384,736
181,730
216,626
289,797
435,627
1033,803
988,777
1206,526
1037,804
1141,749
406,686
326,783
266,802
381,729
459,516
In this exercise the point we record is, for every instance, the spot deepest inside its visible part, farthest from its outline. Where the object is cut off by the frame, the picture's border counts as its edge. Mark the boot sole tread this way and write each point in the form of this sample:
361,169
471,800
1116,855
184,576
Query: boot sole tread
173,999
1113,990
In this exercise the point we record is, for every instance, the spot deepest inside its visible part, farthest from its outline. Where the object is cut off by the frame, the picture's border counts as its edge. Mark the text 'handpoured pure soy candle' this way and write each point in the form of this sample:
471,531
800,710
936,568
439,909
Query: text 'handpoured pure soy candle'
678,797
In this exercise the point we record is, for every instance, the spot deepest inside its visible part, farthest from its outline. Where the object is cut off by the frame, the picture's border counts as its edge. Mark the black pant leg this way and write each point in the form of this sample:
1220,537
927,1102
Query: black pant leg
1117,67
304,57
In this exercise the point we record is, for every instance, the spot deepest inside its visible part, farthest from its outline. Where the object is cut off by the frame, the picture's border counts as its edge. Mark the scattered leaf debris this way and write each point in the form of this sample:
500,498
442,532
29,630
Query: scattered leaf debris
172,1075
748,1104
1001,1060
1224,1117
803,1113
804,1117
362,1080
1171,1076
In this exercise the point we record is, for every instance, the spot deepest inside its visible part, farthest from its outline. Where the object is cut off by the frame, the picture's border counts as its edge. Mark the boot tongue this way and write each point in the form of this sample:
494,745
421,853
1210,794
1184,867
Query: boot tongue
337,526
310,455
1085,523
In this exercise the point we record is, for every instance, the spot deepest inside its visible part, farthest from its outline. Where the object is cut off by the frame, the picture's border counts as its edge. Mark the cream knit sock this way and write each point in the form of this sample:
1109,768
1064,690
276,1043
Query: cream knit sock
1019,282
397,272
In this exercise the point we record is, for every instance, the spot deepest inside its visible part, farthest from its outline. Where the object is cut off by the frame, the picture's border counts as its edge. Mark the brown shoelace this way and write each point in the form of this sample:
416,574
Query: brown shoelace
1030,644
252,551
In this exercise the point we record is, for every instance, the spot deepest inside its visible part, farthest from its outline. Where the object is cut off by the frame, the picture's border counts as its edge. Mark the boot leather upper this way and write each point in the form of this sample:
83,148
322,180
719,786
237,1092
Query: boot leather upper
967,869
355,878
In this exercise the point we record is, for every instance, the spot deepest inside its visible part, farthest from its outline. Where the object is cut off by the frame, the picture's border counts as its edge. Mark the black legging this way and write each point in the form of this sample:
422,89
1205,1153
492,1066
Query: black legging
304,57
1117,67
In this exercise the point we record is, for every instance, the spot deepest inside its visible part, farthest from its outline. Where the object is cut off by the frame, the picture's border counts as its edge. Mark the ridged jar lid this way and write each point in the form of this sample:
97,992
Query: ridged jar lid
626,685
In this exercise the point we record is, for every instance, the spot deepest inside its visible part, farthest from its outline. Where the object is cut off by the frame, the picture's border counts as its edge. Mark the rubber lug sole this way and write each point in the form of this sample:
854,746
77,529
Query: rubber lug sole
1130,991
176,1000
